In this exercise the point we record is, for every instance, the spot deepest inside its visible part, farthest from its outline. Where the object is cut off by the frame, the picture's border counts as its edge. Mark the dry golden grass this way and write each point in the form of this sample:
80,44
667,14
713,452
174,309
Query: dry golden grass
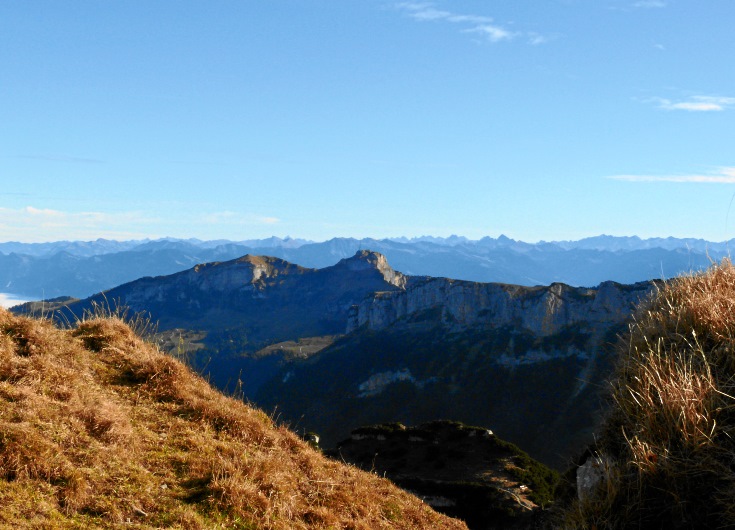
673,421
100,429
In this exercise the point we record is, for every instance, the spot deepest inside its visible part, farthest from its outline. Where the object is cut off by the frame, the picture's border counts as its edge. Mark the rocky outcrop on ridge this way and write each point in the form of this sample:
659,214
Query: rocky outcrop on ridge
543,311
366,260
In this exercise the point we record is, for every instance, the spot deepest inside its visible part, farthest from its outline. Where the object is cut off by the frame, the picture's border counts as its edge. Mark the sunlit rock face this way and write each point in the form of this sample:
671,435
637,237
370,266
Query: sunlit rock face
366,260
543,311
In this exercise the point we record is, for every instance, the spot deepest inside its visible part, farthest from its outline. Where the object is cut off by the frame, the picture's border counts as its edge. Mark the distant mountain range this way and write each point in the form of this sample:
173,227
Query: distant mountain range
357,343
82,268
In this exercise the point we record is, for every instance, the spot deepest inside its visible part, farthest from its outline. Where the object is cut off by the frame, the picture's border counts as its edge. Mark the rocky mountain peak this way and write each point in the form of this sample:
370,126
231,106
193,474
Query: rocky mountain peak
367,260
265,266
236,273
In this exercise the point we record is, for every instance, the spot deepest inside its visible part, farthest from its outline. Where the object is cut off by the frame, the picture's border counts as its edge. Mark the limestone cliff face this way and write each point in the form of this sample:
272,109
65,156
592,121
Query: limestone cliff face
543,311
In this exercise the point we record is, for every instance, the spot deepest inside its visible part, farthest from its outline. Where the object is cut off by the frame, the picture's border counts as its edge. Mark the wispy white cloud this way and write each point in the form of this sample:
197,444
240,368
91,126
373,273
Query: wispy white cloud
49,217
43,224
426,11
696,103
228,217
492,32
536,38
33,224
723,175
478,24
648,4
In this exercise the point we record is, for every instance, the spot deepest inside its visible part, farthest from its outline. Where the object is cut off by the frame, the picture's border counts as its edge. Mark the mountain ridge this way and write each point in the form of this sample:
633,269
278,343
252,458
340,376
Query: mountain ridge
71,272
599,242
219,295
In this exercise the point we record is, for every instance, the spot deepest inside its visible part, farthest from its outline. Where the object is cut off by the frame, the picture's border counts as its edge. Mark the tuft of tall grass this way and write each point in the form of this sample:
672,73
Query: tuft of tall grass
670,432
140,322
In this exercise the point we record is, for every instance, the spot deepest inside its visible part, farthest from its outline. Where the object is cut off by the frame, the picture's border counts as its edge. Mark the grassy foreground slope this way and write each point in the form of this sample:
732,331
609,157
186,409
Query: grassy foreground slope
667,453
100,429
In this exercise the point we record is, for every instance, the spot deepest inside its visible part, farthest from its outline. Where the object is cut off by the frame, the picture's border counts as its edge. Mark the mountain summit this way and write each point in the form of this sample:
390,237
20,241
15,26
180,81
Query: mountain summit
367,260
240,273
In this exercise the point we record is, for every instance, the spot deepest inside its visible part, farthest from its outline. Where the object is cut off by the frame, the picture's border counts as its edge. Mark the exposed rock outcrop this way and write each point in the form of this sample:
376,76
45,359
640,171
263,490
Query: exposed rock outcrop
543,311
365,260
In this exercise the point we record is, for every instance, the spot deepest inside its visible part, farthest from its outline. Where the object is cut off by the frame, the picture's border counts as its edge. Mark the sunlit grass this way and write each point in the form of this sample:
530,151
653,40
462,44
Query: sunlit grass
98,428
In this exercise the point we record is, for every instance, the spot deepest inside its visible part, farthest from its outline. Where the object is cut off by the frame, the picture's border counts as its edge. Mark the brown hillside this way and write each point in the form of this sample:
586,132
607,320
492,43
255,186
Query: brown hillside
98,428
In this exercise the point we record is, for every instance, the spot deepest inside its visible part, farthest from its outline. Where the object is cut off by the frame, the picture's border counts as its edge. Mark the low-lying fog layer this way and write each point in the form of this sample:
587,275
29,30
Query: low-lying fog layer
9,300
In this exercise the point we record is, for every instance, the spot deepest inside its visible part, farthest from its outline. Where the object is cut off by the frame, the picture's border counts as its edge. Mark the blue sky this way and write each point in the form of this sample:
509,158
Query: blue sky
242,119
